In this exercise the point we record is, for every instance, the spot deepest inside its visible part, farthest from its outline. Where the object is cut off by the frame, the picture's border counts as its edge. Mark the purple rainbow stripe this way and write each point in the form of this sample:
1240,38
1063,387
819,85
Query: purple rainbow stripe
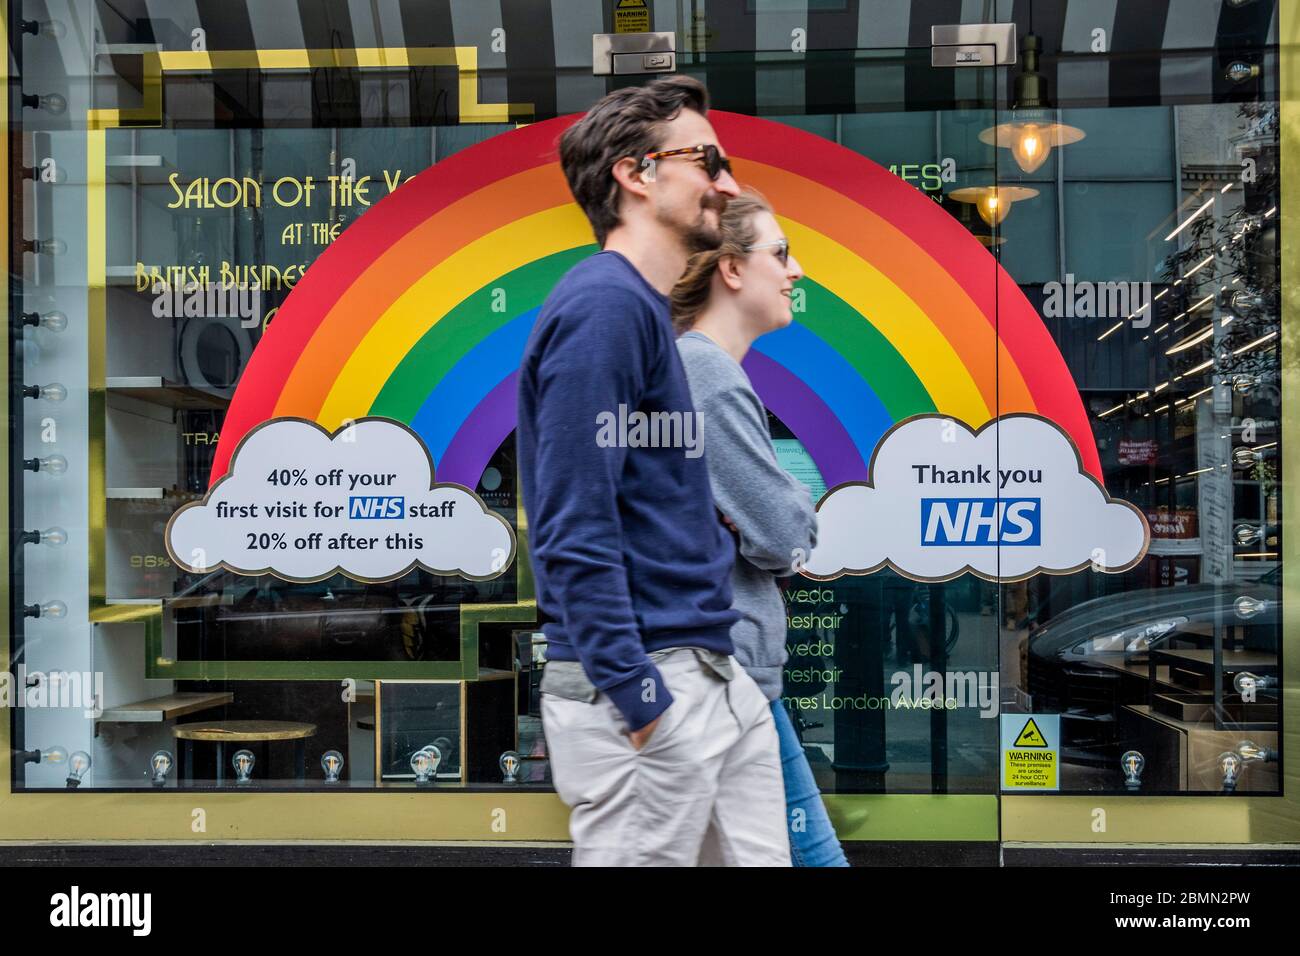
803,412
481,434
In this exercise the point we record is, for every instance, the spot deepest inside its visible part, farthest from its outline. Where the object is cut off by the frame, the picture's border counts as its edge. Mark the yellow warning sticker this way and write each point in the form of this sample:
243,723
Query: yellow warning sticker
631,16
1031,770
1031,751
1030,736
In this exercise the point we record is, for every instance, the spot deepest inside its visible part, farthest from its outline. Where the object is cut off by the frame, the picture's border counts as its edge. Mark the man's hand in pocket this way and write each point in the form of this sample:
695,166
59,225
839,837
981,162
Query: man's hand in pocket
641,737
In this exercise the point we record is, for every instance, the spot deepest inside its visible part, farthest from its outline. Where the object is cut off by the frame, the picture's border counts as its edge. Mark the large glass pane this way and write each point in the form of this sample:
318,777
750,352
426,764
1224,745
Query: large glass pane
205,168
1165,678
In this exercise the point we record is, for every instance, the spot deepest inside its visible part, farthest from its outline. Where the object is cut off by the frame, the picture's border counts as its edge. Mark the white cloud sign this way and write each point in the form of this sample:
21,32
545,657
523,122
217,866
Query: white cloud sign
302,504
1006,502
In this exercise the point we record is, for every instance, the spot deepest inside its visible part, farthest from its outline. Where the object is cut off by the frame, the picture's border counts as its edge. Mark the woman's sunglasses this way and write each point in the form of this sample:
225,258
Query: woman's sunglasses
714,161
780,248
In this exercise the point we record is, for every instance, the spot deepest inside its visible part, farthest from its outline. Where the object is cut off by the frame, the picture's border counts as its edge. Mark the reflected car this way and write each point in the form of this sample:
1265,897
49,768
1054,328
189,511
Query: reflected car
1091,660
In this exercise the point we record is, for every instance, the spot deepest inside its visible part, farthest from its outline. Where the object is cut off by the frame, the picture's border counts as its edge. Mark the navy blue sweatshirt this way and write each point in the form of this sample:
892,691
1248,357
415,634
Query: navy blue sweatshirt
628,552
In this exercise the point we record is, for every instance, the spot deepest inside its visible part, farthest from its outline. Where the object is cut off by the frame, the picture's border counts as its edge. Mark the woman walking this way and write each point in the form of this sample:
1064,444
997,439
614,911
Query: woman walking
726,299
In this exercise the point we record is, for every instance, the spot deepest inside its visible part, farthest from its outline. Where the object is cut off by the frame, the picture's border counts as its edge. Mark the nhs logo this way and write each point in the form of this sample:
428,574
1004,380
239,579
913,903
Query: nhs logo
954,522
376,506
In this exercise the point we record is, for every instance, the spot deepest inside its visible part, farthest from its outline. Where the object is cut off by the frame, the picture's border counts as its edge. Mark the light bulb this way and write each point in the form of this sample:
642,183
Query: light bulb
1033,130
1249,750
423,763
993,203
53,103
50,464
437,752
160,764
1132,762
1247,606
1030,146
1243,303
53,537
54,755
55,320
332,763
50,28
990,210
1246,534
1239,71
1244,457
78,764
1246,682
243,761
53,392
55,610
510,764
1230,767
49,247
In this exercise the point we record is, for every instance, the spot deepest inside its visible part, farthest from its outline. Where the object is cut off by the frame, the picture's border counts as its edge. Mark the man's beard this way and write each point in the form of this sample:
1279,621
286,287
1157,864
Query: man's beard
701,236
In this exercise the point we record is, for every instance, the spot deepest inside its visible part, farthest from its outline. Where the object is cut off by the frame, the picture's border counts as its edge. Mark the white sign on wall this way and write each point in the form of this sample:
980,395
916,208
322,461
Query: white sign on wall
1004,502
303,504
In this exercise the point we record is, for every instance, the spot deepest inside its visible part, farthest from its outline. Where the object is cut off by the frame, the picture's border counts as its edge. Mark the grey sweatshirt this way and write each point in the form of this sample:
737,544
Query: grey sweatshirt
773,511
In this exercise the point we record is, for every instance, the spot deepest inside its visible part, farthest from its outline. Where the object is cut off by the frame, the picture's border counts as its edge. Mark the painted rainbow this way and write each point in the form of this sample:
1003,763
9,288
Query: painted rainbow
420,310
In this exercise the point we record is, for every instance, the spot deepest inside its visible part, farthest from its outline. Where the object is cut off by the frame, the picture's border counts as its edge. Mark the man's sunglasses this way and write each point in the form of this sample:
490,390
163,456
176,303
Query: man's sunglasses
714,161
780,248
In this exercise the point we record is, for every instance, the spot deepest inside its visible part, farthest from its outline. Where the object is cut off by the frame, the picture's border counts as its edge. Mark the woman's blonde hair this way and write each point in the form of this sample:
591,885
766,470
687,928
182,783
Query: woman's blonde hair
691,293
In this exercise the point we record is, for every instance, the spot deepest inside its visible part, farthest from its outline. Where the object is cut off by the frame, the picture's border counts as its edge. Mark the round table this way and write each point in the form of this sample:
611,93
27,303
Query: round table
222,732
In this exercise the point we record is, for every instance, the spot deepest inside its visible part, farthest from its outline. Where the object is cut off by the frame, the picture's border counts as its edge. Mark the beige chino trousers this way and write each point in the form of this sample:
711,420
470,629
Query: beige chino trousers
705,790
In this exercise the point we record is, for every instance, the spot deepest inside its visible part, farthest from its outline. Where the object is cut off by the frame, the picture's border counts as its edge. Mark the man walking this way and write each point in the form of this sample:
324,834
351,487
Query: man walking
661,745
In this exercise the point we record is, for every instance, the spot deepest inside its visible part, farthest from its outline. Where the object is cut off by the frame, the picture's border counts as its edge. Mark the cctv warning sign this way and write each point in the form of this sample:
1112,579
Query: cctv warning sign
1030,736
1031,751
631,16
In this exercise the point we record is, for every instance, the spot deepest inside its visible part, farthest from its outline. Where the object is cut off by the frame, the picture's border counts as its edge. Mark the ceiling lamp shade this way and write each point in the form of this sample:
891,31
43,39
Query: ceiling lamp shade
993,203
1033,131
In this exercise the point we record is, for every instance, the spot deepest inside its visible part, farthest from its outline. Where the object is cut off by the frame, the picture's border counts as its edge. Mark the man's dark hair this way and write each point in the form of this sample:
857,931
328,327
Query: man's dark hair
627,122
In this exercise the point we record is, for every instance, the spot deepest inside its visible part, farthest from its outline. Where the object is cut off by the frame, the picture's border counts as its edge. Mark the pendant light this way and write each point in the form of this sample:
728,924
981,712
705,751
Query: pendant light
1033,131
993,203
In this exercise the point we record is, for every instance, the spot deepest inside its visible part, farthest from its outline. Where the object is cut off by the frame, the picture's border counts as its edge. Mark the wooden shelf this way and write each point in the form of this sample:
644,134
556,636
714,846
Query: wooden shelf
159,391
1199,658
200,600
160,709
138,169
150,494
134,160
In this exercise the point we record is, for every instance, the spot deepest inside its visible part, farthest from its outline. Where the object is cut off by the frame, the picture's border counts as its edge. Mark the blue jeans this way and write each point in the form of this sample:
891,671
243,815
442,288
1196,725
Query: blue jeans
812,838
